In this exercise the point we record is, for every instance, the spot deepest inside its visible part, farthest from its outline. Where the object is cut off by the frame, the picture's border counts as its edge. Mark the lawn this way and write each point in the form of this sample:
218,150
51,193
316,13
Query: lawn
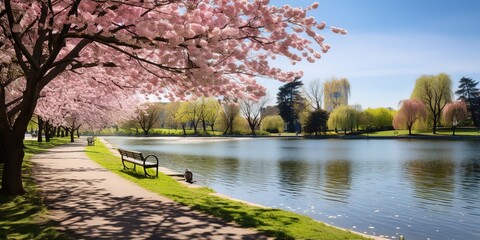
273,222
24,217
440,132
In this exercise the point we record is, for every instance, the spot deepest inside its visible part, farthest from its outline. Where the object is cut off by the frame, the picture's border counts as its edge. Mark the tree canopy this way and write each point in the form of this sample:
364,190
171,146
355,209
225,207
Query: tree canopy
410,111
288,97
343,118
172,49
435,91
470,94
454,113
316,122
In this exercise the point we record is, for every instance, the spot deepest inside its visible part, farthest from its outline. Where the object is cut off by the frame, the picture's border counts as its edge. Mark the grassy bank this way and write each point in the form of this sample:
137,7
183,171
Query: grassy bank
274,222
440,132
24,217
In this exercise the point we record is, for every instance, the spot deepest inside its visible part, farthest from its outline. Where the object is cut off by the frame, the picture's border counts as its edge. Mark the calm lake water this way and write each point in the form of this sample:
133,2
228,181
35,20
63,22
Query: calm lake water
416,188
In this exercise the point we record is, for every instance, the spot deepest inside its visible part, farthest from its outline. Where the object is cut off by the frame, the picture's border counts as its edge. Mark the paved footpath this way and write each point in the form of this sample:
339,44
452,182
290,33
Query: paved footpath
90,202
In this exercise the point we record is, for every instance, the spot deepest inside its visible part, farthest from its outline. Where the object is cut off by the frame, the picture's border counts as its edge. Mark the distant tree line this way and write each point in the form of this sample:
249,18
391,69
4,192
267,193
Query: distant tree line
431,105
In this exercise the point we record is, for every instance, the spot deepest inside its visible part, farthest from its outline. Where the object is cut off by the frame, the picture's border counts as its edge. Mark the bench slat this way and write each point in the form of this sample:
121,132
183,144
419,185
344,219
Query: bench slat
137,159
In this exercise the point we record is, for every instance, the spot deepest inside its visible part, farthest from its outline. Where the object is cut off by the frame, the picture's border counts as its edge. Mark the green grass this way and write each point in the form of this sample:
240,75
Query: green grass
273,222
24,217
440,132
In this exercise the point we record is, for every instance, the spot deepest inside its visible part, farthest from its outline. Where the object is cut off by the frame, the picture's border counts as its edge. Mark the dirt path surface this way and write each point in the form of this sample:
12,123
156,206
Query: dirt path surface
90,202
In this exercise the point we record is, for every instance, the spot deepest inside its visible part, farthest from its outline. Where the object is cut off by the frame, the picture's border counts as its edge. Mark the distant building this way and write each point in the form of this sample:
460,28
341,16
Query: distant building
270,111
336,93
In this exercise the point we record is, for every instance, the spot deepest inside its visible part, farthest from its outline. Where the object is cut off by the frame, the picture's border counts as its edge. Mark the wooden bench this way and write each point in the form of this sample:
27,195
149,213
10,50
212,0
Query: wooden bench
91,141
137,158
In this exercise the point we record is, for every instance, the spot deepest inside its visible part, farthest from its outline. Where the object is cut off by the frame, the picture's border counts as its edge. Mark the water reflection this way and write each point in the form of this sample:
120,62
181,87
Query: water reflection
433,181
292,175
471,182
338,180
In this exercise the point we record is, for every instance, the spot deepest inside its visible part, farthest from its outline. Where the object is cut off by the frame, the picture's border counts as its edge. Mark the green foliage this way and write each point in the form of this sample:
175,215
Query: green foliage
24,217
378,118
435,92
273,124
316,122
273,222
287,97
343,118
470,94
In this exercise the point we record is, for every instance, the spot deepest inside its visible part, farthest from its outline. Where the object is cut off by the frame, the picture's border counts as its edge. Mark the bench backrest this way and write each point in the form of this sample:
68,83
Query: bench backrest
131,154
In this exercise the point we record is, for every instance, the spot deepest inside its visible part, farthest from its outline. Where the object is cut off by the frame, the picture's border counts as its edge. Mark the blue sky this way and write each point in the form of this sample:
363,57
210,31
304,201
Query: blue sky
391,43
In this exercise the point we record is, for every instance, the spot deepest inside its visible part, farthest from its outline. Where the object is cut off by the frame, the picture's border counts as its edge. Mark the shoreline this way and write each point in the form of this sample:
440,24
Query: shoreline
309,137
170,172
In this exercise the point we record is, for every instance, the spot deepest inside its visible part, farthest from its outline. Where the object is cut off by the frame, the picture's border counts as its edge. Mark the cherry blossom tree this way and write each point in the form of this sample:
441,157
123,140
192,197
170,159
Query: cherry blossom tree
410,111
173,49
454,113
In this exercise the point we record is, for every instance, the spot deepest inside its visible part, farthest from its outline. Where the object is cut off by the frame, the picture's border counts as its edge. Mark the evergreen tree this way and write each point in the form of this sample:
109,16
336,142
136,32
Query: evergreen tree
470,94
287,97
317,122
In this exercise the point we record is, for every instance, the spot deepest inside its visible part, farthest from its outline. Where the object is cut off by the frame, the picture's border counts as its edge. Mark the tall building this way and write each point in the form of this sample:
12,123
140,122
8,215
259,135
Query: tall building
336,93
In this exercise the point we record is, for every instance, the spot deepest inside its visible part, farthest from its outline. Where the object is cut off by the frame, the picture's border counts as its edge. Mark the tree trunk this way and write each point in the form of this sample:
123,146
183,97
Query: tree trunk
453,131
204,124
72,135
11,155
47,131
434,128
40,129
78,132
194,127
183,128
58,131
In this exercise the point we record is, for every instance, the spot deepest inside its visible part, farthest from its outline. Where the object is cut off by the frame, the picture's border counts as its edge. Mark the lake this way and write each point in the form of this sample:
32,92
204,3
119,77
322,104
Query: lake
421,189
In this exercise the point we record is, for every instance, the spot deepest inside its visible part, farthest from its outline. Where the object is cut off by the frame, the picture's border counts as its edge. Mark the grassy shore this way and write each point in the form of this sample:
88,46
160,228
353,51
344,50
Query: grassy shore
440,133
24,217
273,222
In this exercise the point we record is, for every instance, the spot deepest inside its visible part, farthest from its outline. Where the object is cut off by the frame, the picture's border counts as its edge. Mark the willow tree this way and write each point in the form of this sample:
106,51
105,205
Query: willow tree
343,118
336,93
435,91
410,111
454,113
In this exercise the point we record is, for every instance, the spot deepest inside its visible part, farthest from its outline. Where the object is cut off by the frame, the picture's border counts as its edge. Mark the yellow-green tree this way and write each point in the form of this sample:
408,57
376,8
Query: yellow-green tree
343,117
379,118
179,113
272,124
435,91
211,113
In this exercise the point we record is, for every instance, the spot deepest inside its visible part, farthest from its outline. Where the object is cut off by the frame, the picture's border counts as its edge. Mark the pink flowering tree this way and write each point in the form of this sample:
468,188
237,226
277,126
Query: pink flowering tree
410,111
84,103
454,113
173,49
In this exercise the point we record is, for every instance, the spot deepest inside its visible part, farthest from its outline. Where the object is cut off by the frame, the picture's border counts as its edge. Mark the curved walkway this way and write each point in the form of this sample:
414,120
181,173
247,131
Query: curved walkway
90,202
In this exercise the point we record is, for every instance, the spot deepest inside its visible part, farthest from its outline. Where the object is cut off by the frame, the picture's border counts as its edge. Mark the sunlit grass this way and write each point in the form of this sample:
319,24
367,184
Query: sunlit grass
24,217
273,222
440,132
